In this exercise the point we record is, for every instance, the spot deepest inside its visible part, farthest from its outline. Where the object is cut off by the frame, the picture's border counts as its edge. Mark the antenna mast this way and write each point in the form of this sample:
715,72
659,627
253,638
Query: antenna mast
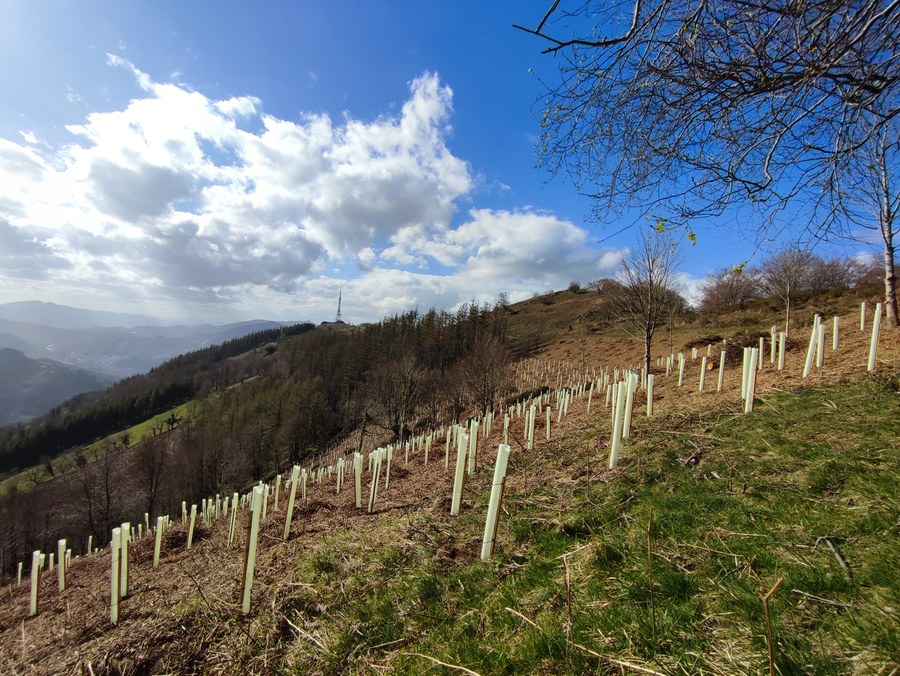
338,316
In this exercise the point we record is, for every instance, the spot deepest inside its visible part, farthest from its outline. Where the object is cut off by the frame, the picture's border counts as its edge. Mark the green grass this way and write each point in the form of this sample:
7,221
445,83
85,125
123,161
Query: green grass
767,494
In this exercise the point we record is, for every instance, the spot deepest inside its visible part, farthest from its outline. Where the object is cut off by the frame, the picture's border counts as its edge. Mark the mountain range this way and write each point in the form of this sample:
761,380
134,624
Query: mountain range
51,352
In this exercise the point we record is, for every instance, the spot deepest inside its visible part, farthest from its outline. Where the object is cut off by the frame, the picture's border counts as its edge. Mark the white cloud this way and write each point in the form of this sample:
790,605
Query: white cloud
186,200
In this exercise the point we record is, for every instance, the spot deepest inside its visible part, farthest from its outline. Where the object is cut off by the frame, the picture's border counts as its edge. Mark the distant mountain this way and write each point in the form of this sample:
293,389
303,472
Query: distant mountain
65,317
84,339
31,387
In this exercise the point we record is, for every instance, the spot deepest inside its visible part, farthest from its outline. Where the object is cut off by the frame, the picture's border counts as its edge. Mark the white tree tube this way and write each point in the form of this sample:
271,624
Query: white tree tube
389,455
292,496
357,478
762,351
505,428
427,449
303,477
160,527
772,334
114,581
447,446
744,373
703,372
473,446
232,520
250,558
547,424
124,538
61,568
35,581
458,478
820,346
265,505
631,386
862,316
810,351
376,471
590,397
782,338
90,545
650,378
721,381
618,419
834,334
190,539
493,515
20,574
751,380
873,344
680,368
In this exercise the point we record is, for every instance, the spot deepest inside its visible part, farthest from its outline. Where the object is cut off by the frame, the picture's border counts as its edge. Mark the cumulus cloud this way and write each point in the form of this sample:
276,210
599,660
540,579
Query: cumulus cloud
198,200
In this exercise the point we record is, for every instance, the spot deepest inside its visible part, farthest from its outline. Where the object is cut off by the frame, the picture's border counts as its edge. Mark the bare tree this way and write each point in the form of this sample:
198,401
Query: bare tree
689,107
485,374
784,275
867,191
728,289
150,459
644,301
393,390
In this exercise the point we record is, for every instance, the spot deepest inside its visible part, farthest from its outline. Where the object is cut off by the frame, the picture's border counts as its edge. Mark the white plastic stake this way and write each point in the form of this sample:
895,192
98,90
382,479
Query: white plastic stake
493,515
547,424
650,378
782,337
862,316
20,574
834,334
703,372
762,352
250,558
873,344
680,368
292,496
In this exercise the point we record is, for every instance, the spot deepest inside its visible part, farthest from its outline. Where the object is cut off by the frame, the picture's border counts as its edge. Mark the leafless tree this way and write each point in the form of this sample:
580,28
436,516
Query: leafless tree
150,458
686,107
728,289
647,294
784,274
393,391
866,189
485,374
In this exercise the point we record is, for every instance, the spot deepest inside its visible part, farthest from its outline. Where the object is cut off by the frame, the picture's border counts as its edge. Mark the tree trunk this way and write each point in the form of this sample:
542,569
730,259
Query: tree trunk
890,280
787,315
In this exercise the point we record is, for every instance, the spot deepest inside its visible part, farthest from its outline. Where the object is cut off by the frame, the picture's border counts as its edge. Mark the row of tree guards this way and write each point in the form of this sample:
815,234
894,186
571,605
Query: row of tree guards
620,387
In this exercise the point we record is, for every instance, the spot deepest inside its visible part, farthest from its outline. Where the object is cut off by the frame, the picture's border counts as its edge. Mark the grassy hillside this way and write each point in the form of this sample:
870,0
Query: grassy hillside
655,567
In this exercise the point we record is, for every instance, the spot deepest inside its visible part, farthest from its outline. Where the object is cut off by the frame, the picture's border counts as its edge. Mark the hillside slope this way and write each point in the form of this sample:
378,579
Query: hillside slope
31,387
654,567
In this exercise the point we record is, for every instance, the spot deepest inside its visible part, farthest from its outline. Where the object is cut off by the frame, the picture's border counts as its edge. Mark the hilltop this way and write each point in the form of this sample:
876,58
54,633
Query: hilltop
654,567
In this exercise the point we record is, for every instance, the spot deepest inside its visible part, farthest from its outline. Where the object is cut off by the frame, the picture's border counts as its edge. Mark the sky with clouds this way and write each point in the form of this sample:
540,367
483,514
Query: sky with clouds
224,161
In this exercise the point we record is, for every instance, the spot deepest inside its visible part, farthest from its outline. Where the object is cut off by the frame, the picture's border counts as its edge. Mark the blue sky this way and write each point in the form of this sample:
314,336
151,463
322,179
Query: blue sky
224,161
